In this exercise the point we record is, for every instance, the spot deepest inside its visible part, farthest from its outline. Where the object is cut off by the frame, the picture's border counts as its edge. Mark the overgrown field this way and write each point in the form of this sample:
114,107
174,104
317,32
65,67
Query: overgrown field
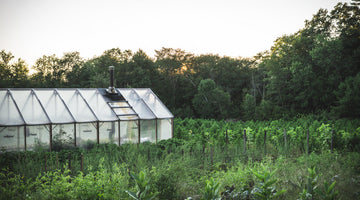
207,159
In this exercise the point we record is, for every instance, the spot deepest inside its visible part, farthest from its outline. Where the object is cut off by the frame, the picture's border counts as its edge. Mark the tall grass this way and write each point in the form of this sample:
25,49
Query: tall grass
175,172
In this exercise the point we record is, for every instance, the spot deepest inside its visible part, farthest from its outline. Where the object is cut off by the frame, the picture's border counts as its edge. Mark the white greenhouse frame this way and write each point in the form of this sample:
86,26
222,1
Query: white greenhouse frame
43,117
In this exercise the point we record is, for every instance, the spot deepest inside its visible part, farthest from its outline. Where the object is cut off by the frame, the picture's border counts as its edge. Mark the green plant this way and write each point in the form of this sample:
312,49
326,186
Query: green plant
267,190
211,190
231,193
13,186
55,185
329,193
101,183
165,180
61,140
309,192
312,181
88,144
143,187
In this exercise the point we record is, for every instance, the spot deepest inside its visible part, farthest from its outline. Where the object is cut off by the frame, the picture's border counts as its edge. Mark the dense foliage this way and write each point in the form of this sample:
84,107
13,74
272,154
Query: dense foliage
315,70
345,134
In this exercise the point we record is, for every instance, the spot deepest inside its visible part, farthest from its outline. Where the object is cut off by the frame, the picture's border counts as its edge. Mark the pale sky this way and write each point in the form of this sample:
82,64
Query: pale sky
30,29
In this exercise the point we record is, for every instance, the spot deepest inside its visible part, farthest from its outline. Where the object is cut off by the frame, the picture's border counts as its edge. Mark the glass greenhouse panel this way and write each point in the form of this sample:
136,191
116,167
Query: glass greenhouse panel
97,103
129,132
9,113
20,96
77,105
164,129
128,117
62,136
143,110
124,111
12,138
119,104
86,136
30,107
137,104
54,106
37,137
109,133
154,103
148,131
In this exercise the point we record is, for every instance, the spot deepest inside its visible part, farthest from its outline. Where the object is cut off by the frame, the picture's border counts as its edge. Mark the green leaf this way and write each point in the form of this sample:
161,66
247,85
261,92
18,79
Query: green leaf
332,186
279,192
268,184
132,194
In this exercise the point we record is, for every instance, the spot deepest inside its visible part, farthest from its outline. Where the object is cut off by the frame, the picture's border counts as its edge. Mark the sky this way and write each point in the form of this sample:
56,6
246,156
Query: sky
30,29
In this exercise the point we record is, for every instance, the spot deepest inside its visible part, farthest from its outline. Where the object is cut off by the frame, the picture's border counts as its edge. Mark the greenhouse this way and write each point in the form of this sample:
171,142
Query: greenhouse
57,118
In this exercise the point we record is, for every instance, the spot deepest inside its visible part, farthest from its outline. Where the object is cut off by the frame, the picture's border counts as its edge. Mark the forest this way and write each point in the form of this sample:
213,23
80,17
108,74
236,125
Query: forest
313,71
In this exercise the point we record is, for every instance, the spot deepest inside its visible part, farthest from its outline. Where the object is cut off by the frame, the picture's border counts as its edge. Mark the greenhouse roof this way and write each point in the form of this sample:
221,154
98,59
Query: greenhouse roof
77,105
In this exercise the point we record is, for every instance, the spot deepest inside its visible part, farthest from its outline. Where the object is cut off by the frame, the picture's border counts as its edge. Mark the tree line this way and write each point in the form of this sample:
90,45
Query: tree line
313,71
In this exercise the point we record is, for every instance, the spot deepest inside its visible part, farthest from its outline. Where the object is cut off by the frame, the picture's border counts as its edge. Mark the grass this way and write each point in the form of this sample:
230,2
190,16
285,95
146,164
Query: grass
175,171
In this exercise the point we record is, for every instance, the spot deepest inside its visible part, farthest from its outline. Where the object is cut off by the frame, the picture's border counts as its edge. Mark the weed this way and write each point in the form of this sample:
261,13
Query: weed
211,190
143,191
266,189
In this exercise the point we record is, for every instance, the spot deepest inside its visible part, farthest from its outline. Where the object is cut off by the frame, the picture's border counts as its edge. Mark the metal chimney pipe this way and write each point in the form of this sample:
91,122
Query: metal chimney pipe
111,70
111,89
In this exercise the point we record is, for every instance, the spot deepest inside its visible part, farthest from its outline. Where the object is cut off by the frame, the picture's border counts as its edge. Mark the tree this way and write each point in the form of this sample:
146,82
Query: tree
71,64
278,71
44,68
97,68
12,74
19,73
211,101
249,107
303,70
173,88
5,70
142,72
232,75
348,98
52,71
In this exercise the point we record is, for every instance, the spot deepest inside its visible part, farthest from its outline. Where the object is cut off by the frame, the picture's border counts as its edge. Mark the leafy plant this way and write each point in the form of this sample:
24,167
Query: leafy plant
13,186
329,193
211,190
309,192
267,190
312,191
61,140
55,185
143,187
325,136
231,194
165,179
